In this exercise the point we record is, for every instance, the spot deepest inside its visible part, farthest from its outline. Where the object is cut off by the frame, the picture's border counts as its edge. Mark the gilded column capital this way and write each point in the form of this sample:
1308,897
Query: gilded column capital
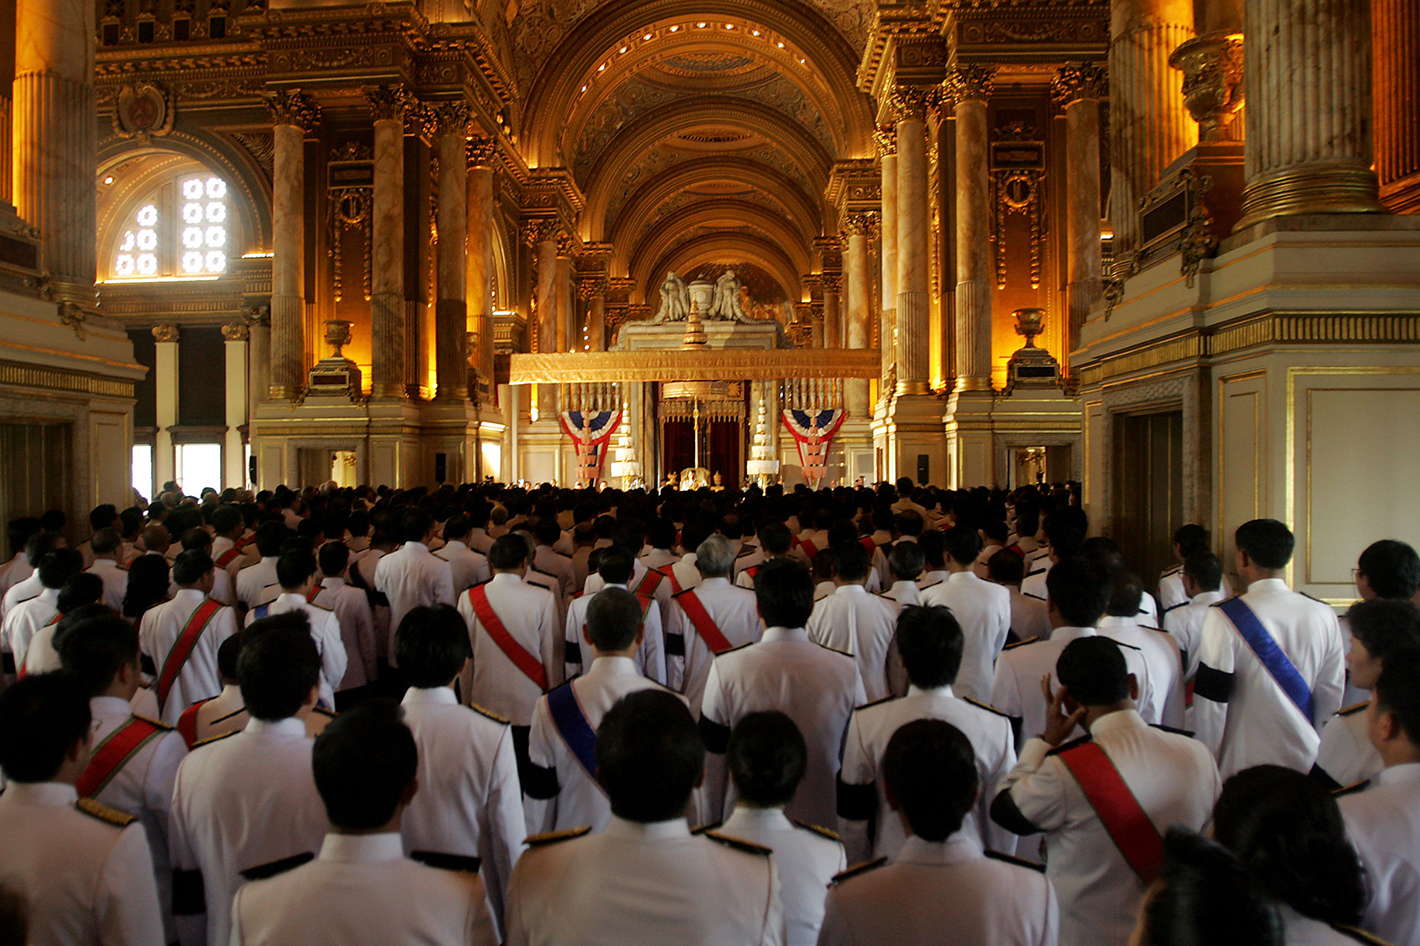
236,331
166,333
969,84
540,231
591,286
389,102
566,244
832,282
861,223
292,107
1077,81
480,151
908,103
450,118
886,140
257,316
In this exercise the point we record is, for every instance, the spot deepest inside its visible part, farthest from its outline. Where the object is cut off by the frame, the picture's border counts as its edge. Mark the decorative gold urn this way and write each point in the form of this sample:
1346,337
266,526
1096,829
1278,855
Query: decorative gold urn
1030,323
337,335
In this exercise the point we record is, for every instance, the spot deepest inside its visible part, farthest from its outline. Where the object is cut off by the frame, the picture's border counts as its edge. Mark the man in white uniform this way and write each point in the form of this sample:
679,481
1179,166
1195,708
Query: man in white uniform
180,638
27,617
709,619
107,549
906,563
296,573
982,608
615,566
412,576
1202,578
1030,620
351,607
854,622
466,566
254,580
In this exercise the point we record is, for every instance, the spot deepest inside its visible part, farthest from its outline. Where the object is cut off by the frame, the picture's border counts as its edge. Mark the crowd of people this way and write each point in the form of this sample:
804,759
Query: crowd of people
891,715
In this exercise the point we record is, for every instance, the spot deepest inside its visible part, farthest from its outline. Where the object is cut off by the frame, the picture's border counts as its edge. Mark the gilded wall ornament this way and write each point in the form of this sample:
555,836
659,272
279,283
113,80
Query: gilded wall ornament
908,103
1212,67
885,138
236,331
292,107
166,333
143,112
480,150
969,84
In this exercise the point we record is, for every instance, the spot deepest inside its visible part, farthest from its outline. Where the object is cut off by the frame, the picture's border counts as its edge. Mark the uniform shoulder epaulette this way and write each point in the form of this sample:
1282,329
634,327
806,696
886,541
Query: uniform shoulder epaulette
319,607
322,711
1317,600
857,870
685,591
712,826
274,584
461,863
837,651
986,706
1171,571
739,844
562,555
886,699
533,568
552,837
733,649
442,558
223,719
747,550
1175,607
932,585
1027,594
1353,709
1359,935
1072,744
1122,644
1173,729
1028,640
1017,861
119,819
153,722
211,739
1351,789
816,829
1157,630
276,868
489,713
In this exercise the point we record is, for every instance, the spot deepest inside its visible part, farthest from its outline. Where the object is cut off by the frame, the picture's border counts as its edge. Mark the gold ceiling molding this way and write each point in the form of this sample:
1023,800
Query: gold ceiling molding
29,376
713,365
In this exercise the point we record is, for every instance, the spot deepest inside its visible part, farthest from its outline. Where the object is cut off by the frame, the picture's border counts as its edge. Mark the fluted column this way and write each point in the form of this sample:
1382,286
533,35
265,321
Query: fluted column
832,283
451,304
913,237
1395,47
1149,127
479,256
568,338
887,253
55,137
258,356
1079,87
541,235
593,291
858,305
387,318
293,116
969,88
238,338
165,390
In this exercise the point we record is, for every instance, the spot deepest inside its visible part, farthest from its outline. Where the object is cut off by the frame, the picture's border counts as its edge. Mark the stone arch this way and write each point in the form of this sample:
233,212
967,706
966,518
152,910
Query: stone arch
724,247
663,238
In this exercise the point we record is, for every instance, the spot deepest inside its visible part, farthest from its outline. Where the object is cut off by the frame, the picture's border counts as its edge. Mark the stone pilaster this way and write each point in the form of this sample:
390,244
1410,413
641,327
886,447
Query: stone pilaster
480,155
832,285
1395,47
294,115
592,290
451,303
238,340
913,236
165,385
887,253
388,368
258,357
1079,87
568,336
969,88
542,235
856,233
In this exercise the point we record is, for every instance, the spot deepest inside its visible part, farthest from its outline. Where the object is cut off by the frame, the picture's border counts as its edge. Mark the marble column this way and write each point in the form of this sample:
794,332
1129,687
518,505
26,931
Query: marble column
832,283
593,291
56,138
293,116
887,318
542,235
569,336
1079,87
388,366
238,340
258,357
480,154
165,385
1395,47
858,304
970,88
913,236
451,277
1149,126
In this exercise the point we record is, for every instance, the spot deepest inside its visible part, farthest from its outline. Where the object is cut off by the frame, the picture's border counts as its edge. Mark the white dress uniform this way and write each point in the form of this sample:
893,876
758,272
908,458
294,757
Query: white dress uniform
159,631
663,588
221,588
21,591
1383,822
684,575
1171,776
410,577
221,545
852,621
83,869
1346,753
1161,653
861,793
480,541
578,799
115,581
1239,709
362,889
1171,593
16,570
733,610
466,567
806,857
469,803
559,566
253,579
245,801
903,593
352,610
1030,619
1016,691
645,883
983,609
930,577
944,894
1185,623
24,621
815,687
650,657
325,631
227,713
361,574
528,613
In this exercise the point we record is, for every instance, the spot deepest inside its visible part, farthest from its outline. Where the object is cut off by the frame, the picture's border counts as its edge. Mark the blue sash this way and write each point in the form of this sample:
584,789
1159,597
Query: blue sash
261,610
1271,656
567,716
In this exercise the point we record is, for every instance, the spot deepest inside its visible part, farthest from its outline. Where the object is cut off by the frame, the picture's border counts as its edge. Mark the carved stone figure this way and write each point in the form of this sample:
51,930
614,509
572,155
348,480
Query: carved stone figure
726,303
675,300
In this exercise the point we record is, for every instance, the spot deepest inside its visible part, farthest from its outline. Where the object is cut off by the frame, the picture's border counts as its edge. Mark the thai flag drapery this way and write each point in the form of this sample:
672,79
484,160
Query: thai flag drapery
813,431
591,433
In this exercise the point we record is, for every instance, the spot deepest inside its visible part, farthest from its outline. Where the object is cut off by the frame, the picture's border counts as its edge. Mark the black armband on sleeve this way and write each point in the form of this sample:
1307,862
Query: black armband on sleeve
540,783
1005,813
716,736
675,645
147,665
7,663
1213,684
1018,725
1323,778
573,654
189,898
857,802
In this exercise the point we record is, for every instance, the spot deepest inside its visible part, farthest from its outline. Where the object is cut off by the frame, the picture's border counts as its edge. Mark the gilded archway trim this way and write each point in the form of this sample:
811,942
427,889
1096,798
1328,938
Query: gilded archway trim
666,235
724,247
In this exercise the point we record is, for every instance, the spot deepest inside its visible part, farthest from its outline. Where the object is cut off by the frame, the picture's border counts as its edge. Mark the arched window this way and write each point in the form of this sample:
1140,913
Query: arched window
171,224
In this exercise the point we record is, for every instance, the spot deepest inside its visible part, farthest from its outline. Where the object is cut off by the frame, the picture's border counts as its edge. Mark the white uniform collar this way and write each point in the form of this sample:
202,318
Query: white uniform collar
784,634
106,562
715,582
332,582
231,691
915,690
957,849
288,727
109,706
296,599
853,589
429,696
613,666
1268,585
184,594
46,794
756,819
609,584
1113,722
506,578
671,830
417,545
1207,597
962,576
1068,634
362,848
903,584
1115,620
1400,774
456,543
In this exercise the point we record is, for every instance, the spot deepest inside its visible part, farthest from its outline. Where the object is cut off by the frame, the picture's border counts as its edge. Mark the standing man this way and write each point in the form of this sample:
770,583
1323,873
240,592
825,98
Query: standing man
982,608
707,620
1202,581
107,548
413,576
615,565
854,622
466,566
180,638
296,573
352,611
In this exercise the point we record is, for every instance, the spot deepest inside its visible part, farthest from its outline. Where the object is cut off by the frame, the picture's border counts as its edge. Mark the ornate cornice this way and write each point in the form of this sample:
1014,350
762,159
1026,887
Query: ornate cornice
1079,80
969,83
292,107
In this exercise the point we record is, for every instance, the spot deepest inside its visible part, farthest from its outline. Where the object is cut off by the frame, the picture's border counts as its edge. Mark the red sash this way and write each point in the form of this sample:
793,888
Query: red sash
113,752
183,646
187,722
809,548
54,620
868,544
313,594
1119,811
228,557
704,626
675,582
530,666
650,582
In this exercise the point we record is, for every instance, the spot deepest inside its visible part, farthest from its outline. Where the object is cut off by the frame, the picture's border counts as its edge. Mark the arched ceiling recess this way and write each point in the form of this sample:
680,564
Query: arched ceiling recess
619,37
729,217
724,249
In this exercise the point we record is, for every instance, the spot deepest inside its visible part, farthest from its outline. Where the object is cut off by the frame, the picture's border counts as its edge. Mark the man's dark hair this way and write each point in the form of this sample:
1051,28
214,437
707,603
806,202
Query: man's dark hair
546,531
1006,567
41,717
294,568
431,645
270,536
1385,626
929,770
457,527
784,591
508,552
279,664
1398,691
906,561
94,650
1267,542
415,525
614,616
190,566
962,544
59,566
226,518
1391,568
334,556
196,539
227,653
83,588
775,538
1207,898
908,522
767,758
102,516
850,562
1206,570
364,761
40,544
615,565
1126,593
930,642
1094,671
1079,589
53,520
649,756
105,542
19,531
934,553
660,533
1191,538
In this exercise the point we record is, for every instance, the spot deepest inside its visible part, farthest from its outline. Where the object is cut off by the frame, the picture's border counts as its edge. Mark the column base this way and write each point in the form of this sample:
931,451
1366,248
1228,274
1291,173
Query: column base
908,441
1311,189
968,429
